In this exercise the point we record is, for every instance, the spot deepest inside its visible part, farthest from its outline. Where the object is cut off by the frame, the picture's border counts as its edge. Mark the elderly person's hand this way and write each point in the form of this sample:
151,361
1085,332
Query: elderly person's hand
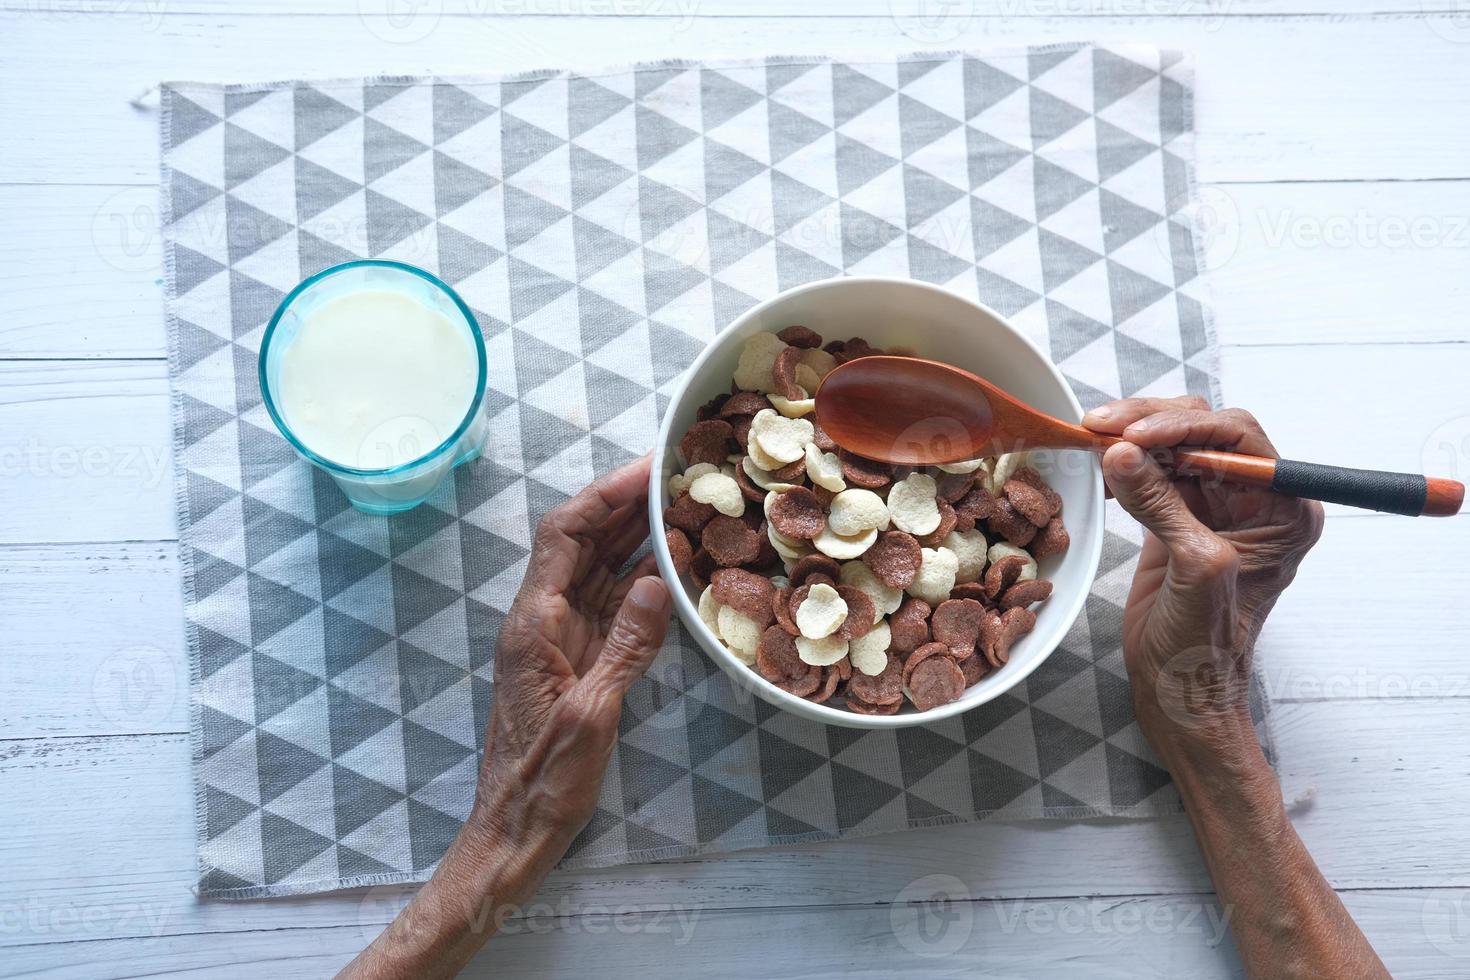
1215,558
578,634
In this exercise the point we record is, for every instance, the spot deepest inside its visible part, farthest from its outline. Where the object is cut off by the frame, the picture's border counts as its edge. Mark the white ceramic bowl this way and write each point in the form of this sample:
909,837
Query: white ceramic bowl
935,323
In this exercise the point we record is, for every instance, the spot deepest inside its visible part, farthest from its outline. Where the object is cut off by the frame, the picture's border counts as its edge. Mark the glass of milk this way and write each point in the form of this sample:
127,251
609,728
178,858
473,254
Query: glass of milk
375,372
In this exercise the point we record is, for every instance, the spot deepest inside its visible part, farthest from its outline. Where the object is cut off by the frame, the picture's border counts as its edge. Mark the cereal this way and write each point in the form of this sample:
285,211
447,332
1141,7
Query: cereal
821,651
885,598
707,442
743,403
831,677
1051,540
795,408
759,456
977,505
936,575
823,441
936,681
688,514
969,590
974,667
863,472
757,357
860,613
969,549
730,541
1001,550
1008,524
740,633
776,657
783,372
812,565
956,624
1002,575
824,469
819,361
805,685
820,612
951,487
681,552
947,523
709,609
719,491
909,626
912,505
869,652
885,687
895,559
781,607
1000,630
893,594
747,593
1025,593
679,482
1027,501
797,514
843,547
855,511
1028,475
799,336
701,566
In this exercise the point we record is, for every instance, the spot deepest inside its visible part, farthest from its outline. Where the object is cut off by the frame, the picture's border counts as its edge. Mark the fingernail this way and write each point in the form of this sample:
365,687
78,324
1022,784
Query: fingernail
1100,413
1142,425
650,593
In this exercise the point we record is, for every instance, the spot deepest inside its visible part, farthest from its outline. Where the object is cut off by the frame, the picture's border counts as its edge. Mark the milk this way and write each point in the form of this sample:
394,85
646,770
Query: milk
375,378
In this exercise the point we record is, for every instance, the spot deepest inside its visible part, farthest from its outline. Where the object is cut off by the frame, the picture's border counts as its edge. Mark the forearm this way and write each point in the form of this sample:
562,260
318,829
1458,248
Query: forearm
479,883
1286,919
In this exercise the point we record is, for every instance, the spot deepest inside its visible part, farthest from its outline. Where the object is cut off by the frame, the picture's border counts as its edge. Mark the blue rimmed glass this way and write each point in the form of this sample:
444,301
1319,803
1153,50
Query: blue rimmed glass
395,488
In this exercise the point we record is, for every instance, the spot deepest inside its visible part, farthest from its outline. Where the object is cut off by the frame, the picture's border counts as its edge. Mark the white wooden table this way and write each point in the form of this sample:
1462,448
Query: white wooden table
1334,144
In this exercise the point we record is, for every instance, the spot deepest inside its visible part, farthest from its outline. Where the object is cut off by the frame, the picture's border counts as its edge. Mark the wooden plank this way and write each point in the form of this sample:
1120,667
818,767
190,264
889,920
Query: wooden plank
85,451
1270,100
1382,779
1116,938
1374,261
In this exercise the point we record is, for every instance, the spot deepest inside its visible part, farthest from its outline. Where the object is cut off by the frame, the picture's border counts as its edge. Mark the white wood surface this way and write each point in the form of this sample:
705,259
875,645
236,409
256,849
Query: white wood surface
1334,147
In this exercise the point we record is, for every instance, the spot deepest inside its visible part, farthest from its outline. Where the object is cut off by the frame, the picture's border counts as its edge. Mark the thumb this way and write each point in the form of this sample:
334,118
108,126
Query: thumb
636,633
1140,484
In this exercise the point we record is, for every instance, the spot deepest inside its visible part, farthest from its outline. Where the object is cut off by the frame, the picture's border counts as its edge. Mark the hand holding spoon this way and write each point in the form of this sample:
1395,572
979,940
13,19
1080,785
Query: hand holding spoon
914,412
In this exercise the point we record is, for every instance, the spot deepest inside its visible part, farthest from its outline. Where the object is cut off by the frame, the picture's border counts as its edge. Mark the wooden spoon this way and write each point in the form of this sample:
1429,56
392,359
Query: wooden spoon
914,412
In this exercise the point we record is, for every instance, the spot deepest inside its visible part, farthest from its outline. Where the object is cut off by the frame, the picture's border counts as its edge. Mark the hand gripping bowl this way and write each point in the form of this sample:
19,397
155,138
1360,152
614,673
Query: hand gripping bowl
930,322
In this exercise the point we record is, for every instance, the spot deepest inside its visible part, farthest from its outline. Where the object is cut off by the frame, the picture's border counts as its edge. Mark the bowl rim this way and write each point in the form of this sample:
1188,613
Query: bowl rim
689,612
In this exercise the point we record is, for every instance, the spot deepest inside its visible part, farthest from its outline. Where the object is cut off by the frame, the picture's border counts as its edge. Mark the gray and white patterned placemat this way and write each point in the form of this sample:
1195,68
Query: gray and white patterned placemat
603,227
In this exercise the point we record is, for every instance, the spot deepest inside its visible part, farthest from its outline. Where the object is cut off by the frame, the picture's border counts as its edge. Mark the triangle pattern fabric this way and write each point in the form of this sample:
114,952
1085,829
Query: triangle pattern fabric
603,229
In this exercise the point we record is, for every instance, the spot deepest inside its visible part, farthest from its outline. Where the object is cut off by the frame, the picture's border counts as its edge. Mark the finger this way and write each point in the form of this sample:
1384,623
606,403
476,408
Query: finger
633,639
1232,429
558,556
1146,492
626,531
1116,416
